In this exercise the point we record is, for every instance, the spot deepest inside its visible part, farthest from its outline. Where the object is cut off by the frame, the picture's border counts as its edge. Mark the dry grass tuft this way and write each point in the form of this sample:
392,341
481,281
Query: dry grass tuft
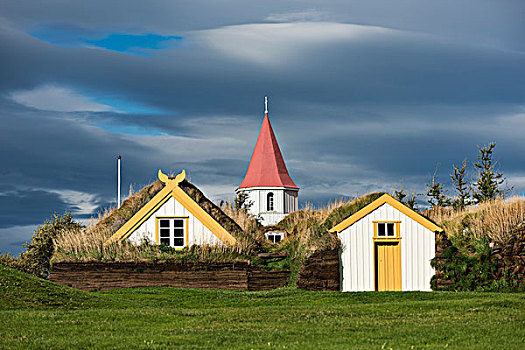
497,219
88,244
247,221
308,228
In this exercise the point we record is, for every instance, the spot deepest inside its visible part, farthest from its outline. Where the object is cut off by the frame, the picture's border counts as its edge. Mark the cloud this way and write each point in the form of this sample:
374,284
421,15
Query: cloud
309,15
80,203
51,97
22,206
283,43
57,99
481,21
12,238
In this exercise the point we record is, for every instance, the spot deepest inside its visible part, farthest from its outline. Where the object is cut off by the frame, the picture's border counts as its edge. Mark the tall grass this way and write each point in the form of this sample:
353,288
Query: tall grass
305,227
497,220
247,221
308,230
89,245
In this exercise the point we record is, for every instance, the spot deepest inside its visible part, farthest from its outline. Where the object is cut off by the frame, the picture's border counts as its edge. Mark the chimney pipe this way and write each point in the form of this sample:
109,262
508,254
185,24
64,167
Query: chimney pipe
118,180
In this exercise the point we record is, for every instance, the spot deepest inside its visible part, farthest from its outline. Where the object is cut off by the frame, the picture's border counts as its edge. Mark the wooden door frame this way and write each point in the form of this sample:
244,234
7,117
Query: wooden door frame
397,244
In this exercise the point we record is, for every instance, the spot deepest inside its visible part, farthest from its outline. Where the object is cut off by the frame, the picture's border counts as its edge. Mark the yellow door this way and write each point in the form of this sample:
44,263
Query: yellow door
388,266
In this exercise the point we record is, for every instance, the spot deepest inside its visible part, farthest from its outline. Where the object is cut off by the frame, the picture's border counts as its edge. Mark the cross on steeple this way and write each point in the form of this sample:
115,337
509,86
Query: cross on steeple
265,104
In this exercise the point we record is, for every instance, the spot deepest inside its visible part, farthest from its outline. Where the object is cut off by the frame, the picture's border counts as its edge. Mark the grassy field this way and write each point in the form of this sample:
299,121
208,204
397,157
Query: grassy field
39,314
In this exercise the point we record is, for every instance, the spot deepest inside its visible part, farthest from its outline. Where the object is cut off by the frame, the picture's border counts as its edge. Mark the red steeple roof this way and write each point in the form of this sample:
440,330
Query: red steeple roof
267,168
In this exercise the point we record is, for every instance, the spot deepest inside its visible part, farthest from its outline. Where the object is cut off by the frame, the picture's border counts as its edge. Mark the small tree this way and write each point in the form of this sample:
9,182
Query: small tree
461,186
435,193
489,180
409,200
400,195
412,201
36,259
242,202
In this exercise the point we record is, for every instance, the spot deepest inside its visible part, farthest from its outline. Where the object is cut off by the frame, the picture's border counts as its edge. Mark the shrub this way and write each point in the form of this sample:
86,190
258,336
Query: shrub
466,271
39,251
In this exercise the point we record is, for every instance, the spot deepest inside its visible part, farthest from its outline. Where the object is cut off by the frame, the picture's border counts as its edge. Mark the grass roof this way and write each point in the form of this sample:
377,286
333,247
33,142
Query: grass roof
327,221
345,211
118,217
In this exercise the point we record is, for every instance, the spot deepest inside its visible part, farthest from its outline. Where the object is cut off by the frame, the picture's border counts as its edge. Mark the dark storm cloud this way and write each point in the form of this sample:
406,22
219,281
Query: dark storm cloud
481,21
49,150
23,207
382,67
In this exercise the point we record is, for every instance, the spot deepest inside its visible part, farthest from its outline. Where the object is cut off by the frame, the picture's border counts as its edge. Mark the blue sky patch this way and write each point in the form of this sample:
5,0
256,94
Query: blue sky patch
129,43
137,44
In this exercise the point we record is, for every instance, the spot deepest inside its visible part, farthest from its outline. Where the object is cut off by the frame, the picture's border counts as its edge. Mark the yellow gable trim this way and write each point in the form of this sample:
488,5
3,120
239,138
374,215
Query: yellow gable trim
172,188
386,198
201,215
142,215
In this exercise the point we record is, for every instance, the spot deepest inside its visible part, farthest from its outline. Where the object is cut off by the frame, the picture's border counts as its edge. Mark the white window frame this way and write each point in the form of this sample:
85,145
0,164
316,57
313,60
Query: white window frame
273,235
172,229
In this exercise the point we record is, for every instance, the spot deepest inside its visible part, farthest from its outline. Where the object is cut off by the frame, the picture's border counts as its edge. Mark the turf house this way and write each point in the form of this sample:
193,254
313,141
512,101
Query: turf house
174,219
386,246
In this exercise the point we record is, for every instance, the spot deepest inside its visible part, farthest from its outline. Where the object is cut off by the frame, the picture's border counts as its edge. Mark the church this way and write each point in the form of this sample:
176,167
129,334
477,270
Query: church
267,182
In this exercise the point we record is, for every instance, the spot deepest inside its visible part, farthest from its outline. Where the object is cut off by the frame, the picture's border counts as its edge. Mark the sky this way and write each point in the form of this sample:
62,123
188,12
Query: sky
364,95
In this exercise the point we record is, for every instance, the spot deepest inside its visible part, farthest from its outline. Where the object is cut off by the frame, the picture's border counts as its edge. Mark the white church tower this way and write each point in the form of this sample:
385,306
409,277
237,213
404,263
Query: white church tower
267,182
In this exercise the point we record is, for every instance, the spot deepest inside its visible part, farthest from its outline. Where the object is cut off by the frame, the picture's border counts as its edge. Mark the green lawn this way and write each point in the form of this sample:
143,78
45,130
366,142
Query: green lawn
39,314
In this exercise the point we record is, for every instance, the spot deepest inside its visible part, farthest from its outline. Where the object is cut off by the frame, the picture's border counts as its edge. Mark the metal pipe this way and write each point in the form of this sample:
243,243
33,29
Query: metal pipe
118,180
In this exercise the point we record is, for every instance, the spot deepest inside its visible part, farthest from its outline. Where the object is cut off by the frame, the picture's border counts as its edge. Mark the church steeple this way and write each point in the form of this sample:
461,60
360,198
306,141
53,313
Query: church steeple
267,183
267,167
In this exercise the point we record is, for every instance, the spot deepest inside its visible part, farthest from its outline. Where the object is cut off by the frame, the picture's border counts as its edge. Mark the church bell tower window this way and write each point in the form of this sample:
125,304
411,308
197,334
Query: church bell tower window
269,202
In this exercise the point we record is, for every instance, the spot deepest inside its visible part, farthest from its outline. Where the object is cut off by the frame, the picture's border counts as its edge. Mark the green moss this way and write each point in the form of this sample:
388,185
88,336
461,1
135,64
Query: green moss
347,210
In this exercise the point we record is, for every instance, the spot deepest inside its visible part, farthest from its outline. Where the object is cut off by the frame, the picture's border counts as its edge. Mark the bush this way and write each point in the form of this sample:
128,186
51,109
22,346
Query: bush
39,251
465,271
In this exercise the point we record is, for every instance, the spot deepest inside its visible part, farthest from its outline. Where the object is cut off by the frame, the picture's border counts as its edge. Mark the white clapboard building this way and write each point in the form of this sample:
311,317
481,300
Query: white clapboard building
386,246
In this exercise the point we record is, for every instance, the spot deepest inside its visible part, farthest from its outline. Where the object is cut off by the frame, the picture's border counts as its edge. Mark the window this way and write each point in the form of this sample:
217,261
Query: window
386,229
269,202
172,232
274,237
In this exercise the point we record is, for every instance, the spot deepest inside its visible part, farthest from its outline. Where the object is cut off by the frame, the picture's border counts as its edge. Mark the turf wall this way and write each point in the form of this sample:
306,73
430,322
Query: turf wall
320,271
103,276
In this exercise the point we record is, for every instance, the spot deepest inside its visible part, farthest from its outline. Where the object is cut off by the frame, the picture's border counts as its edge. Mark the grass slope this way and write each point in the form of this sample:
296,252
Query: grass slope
161,318
21,290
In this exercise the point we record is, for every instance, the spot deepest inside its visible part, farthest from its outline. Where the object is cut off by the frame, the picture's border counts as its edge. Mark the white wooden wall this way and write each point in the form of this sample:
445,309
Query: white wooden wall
197,232
291,201
357,257
284,202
